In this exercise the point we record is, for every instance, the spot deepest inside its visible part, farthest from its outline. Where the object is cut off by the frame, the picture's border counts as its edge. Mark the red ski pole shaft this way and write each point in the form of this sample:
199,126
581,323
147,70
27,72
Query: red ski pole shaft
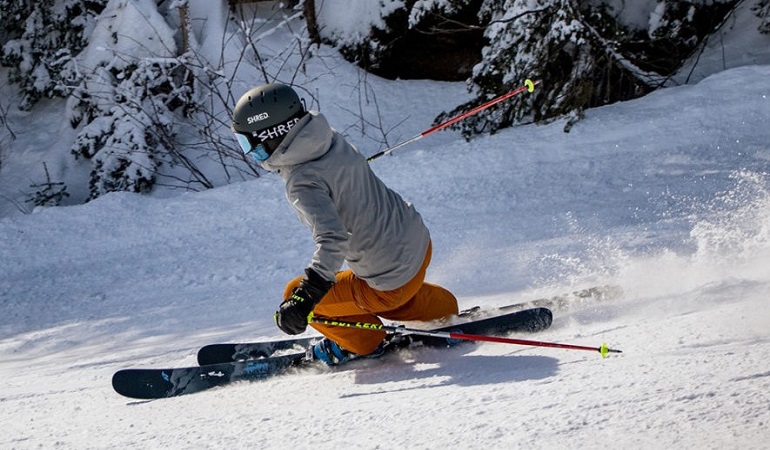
503,340
529,86
603,350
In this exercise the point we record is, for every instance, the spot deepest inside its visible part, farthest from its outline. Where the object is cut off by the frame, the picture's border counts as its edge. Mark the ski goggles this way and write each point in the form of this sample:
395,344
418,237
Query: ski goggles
261,144
252,146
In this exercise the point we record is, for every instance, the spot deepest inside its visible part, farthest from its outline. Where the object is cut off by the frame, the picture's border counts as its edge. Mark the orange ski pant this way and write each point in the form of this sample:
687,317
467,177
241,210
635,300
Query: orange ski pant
352,299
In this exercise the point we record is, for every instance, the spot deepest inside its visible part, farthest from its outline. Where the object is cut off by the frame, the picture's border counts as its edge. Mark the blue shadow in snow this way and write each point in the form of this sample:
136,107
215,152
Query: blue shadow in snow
442,368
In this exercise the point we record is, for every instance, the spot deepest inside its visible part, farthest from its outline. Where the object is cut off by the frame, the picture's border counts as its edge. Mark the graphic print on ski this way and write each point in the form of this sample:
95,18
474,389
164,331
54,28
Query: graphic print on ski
220,353
171,382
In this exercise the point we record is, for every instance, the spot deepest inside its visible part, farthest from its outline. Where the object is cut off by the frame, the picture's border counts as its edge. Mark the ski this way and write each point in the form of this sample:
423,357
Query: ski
172,382
229,352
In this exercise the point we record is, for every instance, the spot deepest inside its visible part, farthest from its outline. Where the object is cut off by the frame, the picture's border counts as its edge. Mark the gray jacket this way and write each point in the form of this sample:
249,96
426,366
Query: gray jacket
354,217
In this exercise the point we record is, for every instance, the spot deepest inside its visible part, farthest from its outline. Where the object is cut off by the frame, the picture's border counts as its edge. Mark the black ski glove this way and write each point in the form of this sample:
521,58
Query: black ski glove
291,317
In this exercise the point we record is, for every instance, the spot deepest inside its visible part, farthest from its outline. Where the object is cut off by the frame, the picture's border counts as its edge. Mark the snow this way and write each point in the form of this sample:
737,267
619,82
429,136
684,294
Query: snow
667,196
114,43
637,14
208,23
350,22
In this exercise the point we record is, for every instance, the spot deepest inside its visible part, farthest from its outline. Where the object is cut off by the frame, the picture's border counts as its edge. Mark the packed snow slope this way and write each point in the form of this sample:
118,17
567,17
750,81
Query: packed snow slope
666,196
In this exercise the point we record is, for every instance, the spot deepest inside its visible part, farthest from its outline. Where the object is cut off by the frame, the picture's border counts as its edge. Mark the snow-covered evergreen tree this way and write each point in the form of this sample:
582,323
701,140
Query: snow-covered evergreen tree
40,42
128,138
546,40
126,106
582,52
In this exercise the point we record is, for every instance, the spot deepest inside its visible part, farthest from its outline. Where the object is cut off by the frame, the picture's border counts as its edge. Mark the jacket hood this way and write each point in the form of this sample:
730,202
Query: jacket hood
309,139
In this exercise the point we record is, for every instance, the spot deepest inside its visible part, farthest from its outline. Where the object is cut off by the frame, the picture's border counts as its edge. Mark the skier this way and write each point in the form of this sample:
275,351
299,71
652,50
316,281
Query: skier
355,219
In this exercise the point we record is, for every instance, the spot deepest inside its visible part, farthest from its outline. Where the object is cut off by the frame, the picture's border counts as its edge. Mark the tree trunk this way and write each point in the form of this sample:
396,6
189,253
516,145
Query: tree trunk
312,23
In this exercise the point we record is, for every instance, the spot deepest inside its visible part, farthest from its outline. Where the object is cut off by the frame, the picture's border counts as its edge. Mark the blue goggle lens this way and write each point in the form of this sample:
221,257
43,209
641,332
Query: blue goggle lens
258,152
244,142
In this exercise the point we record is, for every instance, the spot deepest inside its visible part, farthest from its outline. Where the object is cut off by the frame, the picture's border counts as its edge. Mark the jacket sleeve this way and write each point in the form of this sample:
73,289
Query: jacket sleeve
312,201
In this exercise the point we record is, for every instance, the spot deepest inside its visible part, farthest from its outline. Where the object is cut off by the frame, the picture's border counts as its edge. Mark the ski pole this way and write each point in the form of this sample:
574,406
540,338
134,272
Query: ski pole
528,86
603,350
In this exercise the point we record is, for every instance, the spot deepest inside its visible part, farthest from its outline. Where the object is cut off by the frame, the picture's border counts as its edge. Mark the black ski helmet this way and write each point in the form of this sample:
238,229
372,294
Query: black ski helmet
264,115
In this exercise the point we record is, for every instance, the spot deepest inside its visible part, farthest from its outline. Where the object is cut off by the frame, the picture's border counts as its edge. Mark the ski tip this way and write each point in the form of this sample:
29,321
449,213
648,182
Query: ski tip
142,384
530,85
